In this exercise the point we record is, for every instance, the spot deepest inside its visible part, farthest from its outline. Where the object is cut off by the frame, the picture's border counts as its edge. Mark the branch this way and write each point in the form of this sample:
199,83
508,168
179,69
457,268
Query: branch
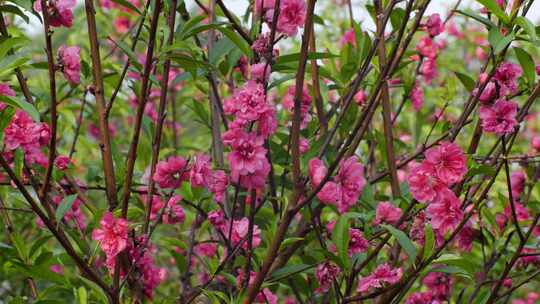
104,135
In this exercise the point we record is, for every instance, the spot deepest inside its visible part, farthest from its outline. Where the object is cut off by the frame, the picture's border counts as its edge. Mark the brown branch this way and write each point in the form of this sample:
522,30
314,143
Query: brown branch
156,142
104,138
387,109
142,99
232,20
52,87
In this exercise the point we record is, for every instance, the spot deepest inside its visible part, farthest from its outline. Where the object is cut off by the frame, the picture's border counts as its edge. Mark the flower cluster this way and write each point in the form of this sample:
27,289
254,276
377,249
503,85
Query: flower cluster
345,188
22,132
430,180
112,237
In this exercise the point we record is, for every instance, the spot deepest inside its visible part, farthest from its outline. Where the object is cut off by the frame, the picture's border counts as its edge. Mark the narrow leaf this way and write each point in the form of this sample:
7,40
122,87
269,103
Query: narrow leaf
64,206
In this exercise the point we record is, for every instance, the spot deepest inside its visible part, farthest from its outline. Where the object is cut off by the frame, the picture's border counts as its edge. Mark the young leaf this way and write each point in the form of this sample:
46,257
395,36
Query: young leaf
64,206
404,241
494,8
429,241
527,64
466,80
340,237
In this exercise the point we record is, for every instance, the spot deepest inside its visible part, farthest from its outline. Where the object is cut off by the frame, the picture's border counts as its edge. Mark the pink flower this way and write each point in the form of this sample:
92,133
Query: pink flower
70,61
173,213
62,162
429,70
387,213
249,165
506,76
266,297
357,242
449,162
317,171
6,90
347,186
517,181
522,213
261,45
206,249
304,145
439,284
262,5
488,94
288,103
351,178
217,184
537,69
465,238
360,97
200,171
454,31
112,236
445,212
348,37
423,182
417,96
383,274
122,24
171,173
499,118
142,258
60,11
240,229
421,298
434,25
291,16
427,48
535,143
326,273
260,71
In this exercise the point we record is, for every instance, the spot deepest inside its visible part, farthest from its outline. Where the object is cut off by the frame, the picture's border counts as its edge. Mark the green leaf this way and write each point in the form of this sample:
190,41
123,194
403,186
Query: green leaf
14,10
289,270
82,295
237,40
10,43
65,205
527,64
340,237
429,241
131,55
128,5
498,41
404,241
494,8
23,105
290,241
527,26
296,57
466,80
488,23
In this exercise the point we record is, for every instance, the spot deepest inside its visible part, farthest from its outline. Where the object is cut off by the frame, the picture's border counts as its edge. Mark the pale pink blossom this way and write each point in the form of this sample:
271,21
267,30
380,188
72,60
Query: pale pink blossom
387,213
417,96
112,234
449,162
217,184
499,118
171,173
360,97
383,274
427,48
60,11
62,162
292,14
445,212
326,273
70,62
423,182
240,229
200,171
249,165
434,25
